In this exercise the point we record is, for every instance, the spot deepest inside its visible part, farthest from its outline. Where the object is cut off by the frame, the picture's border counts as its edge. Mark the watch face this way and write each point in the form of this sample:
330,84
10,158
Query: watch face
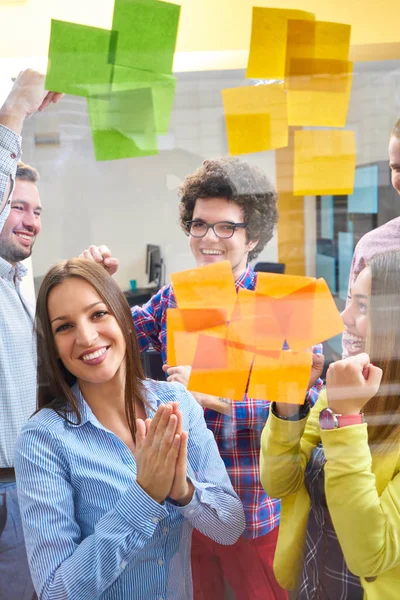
327,419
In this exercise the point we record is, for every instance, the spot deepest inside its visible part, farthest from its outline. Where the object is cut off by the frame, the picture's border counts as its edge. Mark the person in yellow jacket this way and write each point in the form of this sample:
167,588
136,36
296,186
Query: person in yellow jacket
342,459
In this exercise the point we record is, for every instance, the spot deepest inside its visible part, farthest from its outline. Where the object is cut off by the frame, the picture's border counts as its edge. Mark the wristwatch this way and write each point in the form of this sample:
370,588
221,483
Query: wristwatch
329,420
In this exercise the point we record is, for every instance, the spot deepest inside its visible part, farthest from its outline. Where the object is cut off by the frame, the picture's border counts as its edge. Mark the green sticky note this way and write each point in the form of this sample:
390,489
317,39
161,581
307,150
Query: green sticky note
162,87
147,31
122,124
78,59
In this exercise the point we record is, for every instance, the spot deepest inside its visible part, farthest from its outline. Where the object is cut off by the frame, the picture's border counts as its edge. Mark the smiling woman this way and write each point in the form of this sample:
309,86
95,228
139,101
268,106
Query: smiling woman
113,469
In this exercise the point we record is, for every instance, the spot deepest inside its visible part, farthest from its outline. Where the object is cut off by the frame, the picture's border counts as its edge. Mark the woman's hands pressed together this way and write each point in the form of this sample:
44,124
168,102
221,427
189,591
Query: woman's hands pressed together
161,456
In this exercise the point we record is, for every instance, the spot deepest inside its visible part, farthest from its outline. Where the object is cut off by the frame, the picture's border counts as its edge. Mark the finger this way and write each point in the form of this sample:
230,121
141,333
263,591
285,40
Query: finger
182,457
173,452
147,423
46,101
176,378
95,252
165,368
87,255
318,360
159,425
140,433
167,436
111,265
104,251
57,97
179,425
359,360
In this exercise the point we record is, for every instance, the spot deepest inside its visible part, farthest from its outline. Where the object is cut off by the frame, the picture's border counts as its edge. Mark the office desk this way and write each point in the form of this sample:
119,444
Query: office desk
139,296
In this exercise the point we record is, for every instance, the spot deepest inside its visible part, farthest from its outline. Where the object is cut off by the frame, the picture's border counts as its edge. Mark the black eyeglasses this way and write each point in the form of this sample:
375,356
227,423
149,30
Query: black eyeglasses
222,229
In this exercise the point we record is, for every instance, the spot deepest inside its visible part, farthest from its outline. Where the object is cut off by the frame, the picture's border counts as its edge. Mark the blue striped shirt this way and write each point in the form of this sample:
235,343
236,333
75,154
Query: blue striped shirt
17,341
90,529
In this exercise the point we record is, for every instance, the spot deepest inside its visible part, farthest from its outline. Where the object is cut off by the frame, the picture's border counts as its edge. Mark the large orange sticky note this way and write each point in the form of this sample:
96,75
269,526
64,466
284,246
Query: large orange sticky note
294,313
319,75
211,287
242,327
182,344
212,377
283,379
256,118
267,57
324,162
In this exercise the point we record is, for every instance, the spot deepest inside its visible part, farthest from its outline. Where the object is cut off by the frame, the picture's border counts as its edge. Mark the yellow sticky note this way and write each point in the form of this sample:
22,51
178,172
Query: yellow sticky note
318,109
319,75
281,379
267,57
256,118
332,40
210,286
324,162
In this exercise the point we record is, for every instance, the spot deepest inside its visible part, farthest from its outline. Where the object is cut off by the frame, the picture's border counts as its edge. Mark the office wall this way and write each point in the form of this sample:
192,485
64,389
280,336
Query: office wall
129,203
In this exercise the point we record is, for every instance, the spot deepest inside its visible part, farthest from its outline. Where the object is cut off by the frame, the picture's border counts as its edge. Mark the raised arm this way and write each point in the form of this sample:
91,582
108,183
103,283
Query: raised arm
26,97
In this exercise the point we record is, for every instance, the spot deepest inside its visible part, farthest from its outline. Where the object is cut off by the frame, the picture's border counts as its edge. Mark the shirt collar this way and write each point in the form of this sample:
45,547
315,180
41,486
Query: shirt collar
7,271
247,279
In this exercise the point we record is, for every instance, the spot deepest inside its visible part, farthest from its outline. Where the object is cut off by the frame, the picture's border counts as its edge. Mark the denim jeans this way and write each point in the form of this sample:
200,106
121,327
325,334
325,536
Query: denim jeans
15,579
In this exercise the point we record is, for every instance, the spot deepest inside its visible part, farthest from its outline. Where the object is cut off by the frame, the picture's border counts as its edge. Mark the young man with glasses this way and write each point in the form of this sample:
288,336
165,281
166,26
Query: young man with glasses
228,210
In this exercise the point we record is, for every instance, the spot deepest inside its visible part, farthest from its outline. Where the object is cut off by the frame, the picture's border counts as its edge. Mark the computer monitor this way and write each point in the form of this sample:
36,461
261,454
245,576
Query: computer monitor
154,264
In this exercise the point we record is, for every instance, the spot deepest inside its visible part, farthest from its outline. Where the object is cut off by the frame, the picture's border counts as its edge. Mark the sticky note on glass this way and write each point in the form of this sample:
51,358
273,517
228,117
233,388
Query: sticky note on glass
324,162
123,124
78,59
210,286
267,57
147,32
220,369
256,118
162,88
281,379
319,75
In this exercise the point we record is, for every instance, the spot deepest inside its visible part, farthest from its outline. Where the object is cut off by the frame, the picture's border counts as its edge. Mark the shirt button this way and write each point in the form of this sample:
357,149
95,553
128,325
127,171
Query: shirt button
160,562
155,519
123,564
191,511
165,530
13,155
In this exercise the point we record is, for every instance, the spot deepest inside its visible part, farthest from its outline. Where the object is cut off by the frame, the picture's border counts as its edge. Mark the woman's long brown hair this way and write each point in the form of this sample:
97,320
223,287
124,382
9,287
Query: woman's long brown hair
383,346
54,380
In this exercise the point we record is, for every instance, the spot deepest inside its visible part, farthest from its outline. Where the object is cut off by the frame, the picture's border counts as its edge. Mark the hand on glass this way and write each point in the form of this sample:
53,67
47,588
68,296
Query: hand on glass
180,374
102,256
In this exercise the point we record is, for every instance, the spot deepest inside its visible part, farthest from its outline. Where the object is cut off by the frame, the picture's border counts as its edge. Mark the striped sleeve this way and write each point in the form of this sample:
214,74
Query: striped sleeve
63,566
10,152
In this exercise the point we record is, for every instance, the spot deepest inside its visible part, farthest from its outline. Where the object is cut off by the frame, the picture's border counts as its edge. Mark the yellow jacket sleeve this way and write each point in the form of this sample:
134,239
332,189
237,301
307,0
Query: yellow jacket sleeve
367,524
286,447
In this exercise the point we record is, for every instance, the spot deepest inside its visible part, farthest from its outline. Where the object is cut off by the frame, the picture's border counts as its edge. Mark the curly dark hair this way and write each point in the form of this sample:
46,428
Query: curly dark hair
238,182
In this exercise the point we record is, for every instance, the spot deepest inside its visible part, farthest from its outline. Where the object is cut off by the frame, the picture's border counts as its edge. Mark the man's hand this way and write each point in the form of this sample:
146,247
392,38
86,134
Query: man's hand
351,383
318,361
179,374
26,97
102,256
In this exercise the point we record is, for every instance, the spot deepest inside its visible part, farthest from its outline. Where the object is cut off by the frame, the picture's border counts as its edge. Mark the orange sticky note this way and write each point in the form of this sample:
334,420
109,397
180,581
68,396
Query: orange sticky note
326,319
256,118
267,57
241,329
276,285
295,315
283,379
182,344
324,162
197,319
319,75
229,382
211,287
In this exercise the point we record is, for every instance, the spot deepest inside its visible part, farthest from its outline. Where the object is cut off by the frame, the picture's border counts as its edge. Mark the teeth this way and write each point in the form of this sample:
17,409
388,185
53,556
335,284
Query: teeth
217,252
24,237
94,354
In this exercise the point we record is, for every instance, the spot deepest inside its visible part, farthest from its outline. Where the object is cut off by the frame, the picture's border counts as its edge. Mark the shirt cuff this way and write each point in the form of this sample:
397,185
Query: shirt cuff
192,509
140,510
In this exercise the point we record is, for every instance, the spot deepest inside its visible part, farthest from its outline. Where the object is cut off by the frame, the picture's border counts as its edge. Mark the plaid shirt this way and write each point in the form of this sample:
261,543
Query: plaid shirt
238,437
